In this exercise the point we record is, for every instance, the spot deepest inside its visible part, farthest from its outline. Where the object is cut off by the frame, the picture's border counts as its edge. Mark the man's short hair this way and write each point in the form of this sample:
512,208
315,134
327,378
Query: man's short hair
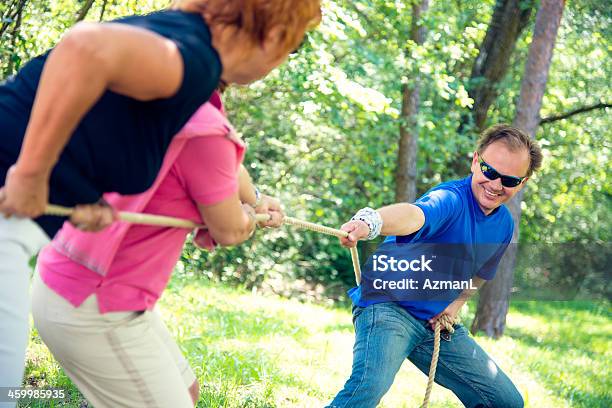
515,139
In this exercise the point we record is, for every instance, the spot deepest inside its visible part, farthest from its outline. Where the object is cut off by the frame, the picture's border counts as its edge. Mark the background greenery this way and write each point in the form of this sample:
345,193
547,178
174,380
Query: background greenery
323,129
322,134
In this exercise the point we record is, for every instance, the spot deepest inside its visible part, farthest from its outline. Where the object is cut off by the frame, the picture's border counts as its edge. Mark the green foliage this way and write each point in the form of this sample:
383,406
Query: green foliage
571,199
572,270
323,129
43,22
322,134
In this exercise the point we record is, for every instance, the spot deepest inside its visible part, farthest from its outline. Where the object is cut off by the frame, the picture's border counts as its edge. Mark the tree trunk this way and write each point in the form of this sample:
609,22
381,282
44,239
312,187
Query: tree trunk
103,10
508,21
495,295
82,13
12,11
406,170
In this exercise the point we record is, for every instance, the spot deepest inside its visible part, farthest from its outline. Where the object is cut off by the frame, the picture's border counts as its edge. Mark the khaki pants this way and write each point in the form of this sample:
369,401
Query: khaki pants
125,359
20,239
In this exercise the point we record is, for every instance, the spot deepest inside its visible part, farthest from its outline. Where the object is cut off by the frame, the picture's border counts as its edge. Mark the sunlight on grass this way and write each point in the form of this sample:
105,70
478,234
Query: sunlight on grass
567,350
249,350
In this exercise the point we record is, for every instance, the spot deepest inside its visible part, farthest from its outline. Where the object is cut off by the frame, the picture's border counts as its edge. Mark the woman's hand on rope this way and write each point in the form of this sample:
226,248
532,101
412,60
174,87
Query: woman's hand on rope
271,206
93,217
357,230
250,211
24,194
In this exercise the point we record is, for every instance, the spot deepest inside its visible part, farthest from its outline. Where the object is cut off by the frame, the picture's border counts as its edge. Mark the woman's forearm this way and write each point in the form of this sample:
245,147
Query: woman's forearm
246,189
229,222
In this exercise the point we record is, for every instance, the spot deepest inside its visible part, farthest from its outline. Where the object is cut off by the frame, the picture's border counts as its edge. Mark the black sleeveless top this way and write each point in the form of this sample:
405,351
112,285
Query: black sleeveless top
120,144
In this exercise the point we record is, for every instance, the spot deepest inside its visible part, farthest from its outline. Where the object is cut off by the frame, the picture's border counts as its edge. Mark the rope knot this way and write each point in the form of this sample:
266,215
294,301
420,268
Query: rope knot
448,323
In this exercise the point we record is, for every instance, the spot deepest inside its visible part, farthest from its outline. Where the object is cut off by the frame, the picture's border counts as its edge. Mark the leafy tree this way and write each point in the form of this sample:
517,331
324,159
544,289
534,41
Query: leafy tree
494,298
323,129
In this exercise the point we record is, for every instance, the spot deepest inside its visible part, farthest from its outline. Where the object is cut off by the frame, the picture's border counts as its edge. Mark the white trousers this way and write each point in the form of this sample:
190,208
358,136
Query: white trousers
20,240
117,359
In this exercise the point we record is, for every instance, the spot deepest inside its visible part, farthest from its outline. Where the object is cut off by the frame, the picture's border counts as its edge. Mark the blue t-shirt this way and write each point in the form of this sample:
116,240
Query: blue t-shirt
119,145
452,216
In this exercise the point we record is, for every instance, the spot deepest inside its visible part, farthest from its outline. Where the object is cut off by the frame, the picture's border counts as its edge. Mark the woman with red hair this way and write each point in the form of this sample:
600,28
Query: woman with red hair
97,113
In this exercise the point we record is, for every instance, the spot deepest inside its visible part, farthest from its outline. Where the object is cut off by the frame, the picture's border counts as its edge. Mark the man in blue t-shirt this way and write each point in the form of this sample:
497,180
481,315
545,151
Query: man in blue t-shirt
394,322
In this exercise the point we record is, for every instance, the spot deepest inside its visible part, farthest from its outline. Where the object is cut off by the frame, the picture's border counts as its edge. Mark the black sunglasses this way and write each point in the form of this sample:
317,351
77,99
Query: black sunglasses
492,174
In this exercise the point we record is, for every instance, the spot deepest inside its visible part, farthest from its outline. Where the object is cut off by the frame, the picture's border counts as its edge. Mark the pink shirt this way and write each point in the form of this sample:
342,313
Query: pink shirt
205,171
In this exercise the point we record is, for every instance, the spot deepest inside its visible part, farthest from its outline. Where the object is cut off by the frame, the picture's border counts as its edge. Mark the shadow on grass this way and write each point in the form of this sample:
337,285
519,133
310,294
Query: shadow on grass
562,342
582,326
42,371
74,400
230,396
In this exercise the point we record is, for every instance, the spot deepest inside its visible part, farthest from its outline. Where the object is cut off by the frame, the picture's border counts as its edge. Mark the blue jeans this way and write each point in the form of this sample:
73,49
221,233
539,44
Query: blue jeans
386,334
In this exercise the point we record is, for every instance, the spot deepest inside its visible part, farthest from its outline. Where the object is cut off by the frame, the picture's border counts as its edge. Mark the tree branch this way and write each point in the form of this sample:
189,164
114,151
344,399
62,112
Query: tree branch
102,10
361,14
84,10
11,15
583,109
14,35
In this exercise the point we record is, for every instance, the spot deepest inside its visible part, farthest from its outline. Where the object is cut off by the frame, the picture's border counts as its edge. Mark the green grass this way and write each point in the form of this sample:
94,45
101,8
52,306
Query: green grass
249,350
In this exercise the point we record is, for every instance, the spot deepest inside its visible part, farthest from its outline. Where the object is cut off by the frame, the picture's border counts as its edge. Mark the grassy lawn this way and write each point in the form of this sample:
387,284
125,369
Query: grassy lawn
250,350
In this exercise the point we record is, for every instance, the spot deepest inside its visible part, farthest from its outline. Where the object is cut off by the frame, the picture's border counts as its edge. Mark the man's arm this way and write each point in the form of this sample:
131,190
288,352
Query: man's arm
468,293
401,219
398,219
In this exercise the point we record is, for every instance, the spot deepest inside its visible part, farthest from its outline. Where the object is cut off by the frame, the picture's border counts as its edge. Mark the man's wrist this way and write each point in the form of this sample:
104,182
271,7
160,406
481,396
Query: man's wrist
372,219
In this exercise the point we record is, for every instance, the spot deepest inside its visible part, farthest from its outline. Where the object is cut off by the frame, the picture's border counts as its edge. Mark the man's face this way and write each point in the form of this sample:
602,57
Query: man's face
490,194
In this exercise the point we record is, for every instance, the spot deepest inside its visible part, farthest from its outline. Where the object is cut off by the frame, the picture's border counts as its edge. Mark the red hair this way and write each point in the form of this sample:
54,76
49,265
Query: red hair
257,18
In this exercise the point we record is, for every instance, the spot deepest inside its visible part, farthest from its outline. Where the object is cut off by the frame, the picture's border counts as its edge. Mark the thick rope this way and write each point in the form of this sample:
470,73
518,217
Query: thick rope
329,231
159,220
163,221
144,219
443,321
